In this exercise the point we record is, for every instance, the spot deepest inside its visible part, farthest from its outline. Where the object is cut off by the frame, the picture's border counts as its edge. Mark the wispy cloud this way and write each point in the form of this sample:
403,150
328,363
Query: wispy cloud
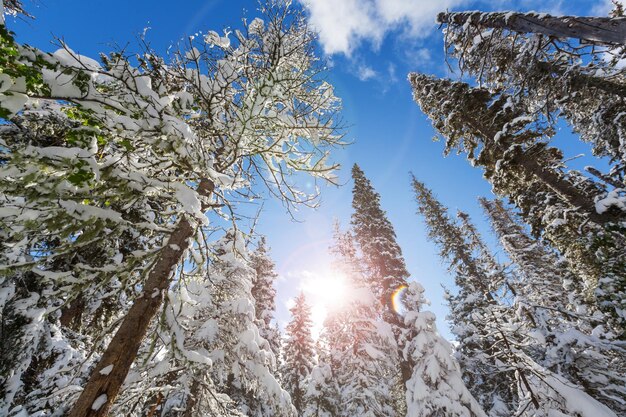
392,72
344,24
365,73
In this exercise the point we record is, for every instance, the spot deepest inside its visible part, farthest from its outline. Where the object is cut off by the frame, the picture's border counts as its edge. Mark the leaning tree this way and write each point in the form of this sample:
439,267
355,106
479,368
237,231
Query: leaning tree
109,168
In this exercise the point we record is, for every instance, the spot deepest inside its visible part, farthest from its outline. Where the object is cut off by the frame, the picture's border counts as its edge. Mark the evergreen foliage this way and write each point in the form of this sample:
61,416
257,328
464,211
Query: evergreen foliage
264,294
527,371
298,353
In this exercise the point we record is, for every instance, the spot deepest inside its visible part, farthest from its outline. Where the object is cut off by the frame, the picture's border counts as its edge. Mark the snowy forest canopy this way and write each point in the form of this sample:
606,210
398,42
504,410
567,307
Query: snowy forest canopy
122,293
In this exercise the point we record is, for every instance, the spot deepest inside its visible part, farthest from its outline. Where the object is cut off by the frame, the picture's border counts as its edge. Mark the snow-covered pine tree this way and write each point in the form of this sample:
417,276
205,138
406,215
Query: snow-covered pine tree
566,332
207,355
436,387
243,365
97,155
471,310
383,265
561,206
566,68
322,396
551,77
298,353
264,294
537,391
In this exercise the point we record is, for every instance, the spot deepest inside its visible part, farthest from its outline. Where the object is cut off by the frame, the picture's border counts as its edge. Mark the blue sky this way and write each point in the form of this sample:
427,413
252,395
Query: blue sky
370,46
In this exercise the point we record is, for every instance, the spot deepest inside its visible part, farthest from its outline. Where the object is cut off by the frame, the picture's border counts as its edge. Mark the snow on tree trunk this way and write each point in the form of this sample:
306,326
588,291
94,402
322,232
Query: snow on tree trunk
104,163
592,29
122,349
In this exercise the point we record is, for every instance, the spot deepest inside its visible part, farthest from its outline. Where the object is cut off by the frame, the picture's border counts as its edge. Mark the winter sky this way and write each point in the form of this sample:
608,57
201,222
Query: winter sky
370,46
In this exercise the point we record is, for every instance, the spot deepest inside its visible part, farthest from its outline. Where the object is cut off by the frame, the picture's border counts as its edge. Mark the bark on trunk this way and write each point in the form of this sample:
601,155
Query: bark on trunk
71,316
551,178
123,348
603,30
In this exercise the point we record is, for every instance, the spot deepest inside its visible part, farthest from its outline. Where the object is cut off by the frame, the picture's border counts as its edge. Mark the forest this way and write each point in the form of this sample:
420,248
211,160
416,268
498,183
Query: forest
130,286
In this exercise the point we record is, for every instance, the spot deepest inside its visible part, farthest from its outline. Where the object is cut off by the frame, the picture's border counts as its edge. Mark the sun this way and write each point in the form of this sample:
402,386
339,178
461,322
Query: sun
329,290
325,292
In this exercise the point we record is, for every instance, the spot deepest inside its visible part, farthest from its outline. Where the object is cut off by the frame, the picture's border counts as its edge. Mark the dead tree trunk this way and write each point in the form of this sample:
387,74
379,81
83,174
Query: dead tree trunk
123,348
602,30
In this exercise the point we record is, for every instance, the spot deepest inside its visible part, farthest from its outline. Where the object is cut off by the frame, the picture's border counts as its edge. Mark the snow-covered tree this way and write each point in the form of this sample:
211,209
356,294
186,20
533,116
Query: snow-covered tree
564,207
207,354
264,294
99,154
322,396
383,264
531,56
436,387
360,358
243,362
298,353
472,310
554,68
537,390
566,332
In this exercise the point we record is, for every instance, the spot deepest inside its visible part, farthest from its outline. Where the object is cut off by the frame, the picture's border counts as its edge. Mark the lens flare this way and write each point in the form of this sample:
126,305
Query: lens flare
396,299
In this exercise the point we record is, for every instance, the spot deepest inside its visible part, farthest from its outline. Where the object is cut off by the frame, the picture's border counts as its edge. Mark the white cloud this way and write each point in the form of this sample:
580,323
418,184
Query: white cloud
344,24
365,73
417,56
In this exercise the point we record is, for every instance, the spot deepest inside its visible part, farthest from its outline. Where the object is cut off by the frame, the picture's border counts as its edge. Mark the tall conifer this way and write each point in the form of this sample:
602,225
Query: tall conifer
383,264
264,294
299,353
537,390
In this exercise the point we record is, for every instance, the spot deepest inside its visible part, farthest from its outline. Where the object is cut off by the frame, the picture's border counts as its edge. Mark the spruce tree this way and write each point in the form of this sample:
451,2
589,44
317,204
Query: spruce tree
322,396
385,268
361,347
264,294
471,310
566,330
553,78
555,68
383,264
298,353
564,207
207,353
537,390
436,387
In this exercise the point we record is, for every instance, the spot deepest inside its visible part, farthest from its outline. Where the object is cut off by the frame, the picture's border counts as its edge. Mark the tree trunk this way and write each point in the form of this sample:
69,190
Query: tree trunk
123,348
72,314
567,191
603,30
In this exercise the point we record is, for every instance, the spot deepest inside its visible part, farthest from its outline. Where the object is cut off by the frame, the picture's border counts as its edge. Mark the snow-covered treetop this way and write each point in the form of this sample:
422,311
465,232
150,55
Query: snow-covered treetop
92,146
